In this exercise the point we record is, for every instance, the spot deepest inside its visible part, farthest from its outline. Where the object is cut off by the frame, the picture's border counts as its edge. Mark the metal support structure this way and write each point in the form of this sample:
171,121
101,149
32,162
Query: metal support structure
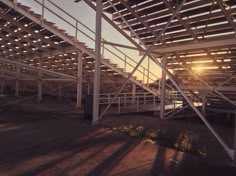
227,15
42,16
88,91
40,86
144,56
163,89
201,116
79,82
206,84
133,93
222,42
148,70
17,81
204,103
235,139
96,89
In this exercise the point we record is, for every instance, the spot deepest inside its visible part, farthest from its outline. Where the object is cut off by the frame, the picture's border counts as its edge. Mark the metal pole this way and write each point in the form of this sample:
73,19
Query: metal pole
204,101
118,104
17,82
144,56
148,71
144,98
163,89
88,89
223,144
42,17
76,31
235,139
97,61
133,92
79,82
40,82
137,104
124,100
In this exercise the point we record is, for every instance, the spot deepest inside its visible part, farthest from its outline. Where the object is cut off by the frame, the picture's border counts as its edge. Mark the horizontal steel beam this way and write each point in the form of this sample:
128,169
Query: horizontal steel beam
222,88
197,45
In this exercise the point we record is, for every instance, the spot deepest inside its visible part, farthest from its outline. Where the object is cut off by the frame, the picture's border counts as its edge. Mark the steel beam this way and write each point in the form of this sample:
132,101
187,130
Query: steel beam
144,56
96,89
223,42
17,82
227,15
235,138
204,104
163,89
40,86
220,140
114,25
214,88
133,93
79,82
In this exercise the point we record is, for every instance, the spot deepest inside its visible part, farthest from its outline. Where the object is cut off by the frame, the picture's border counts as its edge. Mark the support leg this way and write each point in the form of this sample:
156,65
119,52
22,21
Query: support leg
204,103
133,93
96,89
235,140
79,83
163,90
40,86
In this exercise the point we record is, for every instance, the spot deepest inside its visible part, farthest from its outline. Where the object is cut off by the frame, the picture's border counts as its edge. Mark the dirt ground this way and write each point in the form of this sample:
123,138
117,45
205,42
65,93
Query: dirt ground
52,138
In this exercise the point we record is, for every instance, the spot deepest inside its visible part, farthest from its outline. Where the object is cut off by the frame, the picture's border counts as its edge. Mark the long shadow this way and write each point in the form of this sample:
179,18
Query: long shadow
106,166
53,163
73,144
74,166
158,168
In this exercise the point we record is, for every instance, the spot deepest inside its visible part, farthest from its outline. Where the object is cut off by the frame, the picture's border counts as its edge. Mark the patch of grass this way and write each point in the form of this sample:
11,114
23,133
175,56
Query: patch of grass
185,141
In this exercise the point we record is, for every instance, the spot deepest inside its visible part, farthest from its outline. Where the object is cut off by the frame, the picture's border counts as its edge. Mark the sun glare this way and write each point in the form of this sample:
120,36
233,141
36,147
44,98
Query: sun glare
201,68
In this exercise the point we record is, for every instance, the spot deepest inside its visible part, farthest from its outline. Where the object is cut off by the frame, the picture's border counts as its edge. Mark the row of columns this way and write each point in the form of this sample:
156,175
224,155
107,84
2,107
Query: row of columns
40,83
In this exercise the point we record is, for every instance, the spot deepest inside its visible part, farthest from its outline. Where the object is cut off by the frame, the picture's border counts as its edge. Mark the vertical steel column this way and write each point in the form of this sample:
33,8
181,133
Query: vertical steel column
79,82
235,138
42,15
88,89
96,88
148,70
17,82
163,89
223,144
40,82
144,56
133,92
204,103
